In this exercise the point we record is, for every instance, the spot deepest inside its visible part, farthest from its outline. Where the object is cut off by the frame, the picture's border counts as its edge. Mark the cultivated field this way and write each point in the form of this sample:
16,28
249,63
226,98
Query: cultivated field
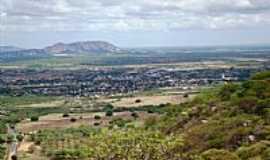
139,101
57,121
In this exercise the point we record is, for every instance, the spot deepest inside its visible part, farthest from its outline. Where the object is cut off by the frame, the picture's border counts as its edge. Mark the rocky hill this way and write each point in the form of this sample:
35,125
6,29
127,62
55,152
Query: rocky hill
9,53
86,47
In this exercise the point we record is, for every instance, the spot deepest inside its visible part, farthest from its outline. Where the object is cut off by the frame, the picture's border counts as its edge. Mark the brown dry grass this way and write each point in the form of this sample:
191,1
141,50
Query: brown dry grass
146,100
57,103
56,121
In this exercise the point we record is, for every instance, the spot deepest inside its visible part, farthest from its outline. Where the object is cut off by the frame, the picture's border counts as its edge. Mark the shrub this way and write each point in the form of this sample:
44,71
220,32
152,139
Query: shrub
186,95
150,111
69,154
10,138
73,119
261,76
109,113
34,118
254,151
2,139
134,115
211,135
97,117
150,122
253,105
19,137
65,115
215,154
227,90
108,107
14,157
119,122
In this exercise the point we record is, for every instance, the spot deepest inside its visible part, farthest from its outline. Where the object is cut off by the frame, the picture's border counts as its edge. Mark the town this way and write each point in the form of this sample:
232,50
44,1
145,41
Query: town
112,81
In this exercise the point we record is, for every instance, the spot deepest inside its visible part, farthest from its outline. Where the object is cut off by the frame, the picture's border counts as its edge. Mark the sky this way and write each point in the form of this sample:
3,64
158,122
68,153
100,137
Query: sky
135,23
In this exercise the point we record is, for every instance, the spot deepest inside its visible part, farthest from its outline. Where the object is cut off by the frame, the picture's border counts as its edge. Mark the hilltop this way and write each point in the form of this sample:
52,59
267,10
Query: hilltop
82,47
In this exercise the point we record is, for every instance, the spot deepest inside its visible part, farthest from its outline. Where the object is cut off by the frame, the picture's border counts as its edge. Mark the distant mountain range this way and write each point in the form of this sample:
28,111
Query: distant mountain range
9,49
83,47
86,47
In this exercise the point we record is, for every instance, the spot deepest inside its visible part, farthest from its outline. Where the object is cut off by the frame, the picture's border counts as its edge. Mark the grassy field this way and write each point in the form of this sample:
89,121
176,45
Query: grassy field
138,101
26,101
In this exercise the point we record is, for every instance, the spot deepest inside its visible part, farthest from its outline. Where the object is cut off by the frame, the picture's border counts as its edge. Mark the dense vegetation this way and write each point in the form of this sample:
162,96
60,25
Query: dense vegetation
231,122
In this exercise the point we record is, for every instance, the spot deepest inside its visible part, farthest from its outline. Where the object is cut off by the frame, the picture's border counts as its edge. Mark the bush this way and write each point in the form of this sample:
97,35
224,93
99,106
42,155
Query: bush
261,76
65,115
227,90
34,118
10,138
108,107
14,157
150,111
69,154
119,122
19,137
96,124
109,113
134,115
150,122
256,150
186,95
73,119
211,135
97,117
249,104
214,154
2,139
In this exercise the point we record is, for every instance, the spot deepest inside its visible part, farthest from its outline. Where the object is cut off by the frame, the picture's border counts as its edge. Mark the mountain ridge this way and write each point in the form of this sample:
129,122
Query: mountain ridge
10,48
83,47
60,48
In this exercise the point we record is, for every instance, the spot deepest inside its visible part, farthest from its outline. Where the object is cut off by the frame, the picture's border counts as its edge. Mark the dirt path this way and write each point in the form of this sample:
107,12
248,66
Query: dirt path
25,146
12,150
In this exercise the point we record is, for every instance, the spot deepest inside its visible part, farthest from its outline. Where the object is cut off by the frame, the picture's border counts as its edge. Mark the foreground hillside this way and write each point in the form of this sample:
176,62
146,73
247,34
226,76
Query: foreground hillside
231,122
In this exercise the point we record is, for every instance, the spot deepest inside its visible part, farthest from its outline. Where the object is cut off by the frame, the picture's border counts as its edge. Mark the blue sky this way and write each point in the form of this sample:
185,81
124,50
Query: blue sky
135,23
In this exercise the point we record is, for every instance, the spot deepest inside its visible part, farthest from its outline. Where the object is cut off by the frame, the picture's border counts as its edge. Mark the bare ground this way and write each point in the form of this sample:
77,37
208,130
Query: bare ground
56,121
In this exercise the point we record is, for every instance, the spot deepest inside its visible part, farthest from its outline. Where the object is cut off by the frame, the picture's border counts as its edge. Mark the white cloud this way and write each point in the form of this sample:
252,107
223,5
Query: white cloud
125,15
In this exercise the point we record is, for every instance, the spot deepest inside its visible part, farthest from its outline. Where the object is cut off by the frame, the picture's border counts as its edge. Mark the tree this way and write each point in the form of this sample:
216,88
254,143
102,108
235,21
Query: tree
97,117
34,118
14,157
138,101
186,95
109,113
108,107
65,115
73,119
19,137
134,115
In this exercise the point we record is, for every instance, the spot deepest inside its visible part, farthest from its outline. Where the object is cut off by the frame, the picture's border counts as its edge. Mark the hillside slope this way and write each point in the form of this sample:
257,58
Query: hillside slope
232,120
